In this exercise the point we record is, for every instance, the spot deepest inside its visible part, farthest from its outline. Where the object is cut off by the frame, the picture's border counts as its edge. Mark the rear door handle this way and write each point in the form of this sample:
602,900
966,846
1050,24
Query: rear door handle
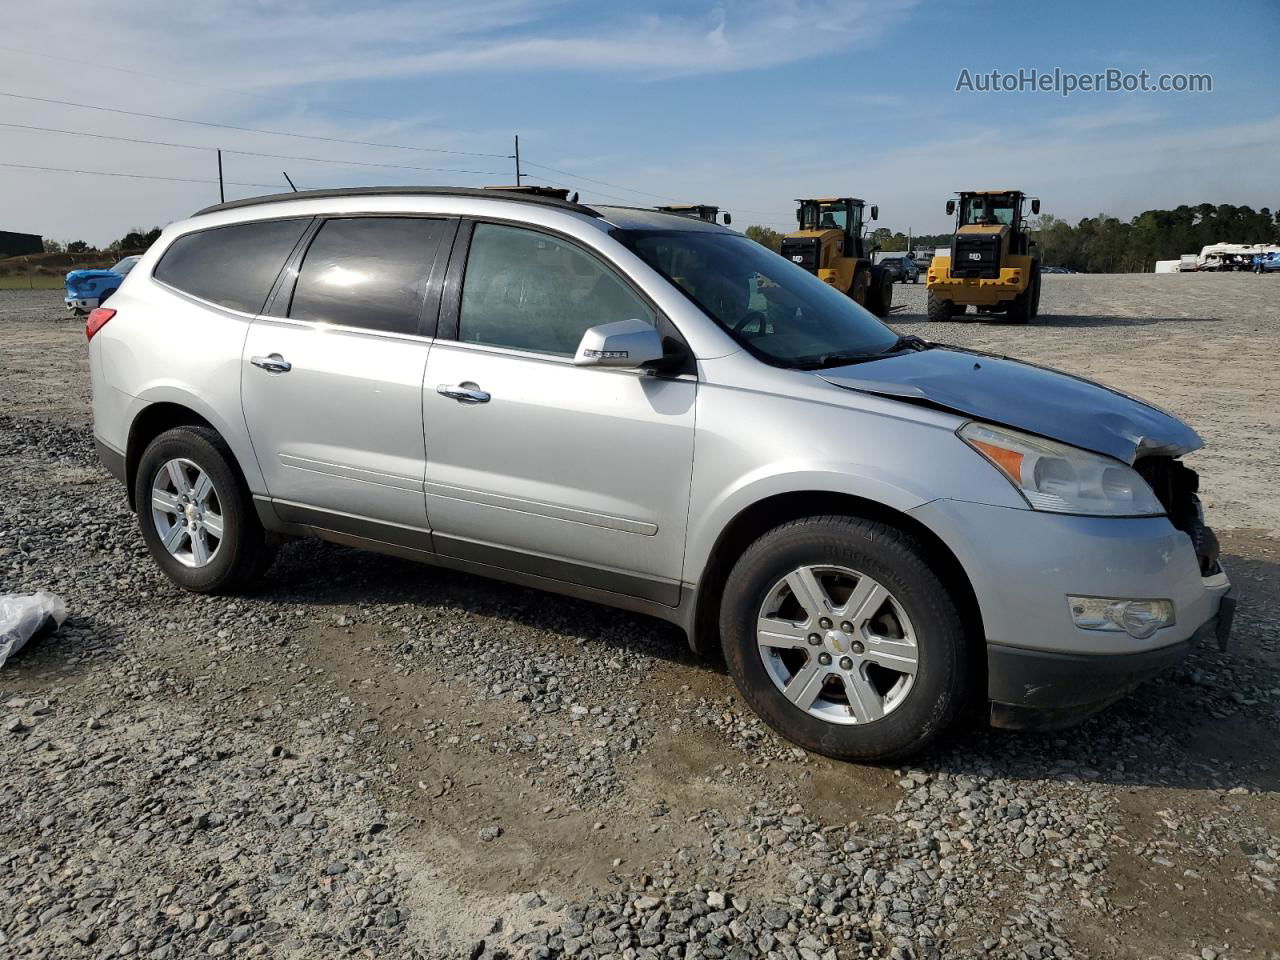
272,363
465,392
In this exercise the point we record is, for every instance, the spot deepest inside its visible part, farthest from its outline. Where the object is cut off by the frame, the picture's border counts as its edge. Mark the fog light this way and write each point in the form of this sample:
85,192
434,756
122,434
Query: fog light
1138,618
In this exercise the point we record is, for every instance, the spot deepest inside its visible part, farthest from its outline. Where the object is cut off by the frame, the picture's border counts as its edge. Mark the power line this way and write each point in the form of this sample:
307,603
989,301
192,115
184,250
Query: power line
605,183
243,153
643,193
99,65
231,126
132,176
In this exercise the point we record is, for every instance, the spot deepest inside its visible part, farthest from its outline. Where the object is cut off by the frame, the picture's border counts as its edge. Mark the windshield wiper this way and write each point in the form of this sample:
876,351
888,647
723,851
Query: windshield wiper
906,341
840,358
836,360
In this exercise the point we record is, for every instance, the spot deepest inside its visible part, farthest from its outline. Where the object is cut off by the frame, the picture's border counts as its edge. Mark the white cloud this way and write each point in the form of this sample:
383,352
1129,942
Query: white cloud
276,66
1123,116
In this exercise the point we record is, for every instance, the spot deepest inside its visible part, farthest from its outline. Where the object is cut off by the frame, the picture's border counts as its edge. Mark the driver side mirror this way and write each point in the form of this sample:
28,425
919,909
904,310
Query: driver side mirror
623,343
727,219
875,212
1035,206
951,208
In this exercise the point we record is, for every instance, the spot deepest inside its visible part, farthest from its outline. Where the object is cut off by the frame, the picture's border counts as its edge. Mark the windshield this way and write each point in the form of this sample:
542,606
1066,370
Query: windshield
987,210
778,311
124,266
828,216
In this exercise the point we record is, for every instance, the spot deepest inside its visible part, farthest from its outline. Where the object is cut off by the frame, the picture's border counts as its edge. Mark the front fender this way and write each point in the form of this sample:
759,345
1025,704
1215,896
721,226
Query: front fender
753,446
776,479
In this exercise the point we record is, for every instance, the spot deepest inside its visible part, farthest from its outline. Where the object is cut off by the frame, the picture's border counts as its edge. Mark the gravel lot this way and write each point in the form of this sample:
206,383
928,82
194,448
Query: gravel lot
372,758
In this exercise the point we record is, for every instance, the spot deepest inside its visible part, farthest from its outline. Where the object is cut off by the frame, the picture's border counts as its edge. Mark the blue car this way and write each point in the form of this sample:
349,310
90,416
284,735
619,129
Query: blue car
86,289
1266,263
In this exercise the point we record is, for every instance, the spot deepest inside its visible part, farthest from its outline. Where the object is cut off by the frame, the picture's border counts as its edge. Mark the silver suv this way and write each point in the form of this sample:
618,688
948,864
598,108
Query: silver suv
659,414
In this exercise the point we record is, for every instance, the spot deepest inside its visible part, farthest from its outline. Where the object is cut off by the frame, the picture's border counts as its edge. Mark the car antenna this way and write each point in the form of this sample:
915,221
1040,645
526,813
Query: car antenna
286,176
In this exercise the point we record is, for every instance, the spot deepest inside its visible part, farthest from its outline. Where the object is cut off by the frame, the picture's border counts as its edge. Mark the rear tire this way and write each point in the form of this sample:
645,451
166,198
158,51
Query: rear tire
195,514
939,309
853,706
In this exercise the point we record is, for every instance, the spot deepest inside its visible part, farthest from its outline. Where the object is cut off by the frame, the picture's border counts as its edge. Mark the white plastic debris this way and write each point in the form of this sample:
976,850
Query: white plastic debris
25,615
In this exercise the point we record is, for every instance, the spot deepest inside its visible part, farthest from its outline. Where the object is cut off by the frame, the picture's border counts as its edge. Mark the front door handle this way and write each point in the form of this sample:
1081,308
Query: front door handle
465,392
272,363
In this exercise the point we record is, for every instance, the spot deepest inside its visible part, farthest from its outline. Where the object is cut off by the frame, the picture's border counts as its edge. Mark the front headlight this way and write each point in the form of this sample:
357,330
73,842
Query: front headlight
1062,479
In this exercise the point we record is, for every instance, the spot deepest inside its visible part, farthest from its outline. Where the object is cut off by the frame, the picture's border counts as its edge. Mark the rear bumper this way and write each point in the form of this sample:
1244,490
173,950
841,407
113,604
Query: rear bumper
1040,690
112,459
1014,277
81,303
980,292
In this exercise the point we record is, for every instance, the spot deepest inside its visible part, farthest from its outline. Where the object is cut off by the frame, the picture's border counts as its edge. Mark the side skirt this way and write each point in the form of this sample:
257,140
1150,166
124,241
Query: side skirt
588,583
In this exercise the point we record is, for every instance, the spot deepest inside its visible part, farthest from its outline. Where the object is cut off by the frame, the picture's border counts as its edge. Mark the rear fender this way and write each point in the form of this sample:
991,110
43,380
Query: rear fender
233,431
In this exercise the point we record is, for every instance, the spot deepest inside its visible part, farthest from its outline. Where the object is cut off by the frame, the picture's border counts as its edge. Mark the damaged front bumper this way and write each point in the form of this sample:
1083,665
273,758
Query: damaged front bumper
1045,690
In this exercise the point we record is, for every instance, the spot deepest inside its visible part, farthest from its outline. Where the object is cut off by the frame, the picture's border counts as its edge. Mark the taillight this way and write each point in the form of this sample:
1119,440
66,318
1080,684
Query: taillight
96,320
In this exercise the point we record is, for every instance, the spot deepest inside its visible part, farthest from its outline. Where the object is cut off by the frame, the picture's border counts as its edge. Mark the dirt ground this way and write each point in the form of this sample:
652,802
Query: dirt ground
368,757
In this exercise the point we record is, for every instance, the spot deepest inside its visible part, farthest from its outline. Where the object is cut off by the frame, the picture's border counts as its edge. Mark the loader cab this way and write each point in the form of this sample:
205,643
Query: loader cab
698,211
1001,212
836,213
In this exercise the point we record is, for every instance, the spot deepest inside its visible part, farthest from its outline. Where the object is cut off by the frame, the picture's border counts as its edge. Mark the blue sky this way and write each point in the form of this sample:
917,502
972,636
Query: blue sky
745,104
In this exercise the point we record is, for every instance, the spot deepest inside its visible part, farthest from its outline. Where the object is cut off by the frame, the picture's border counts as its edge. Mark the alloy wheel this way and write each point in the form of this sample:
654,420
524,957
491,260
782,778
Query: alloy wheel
837,644
187,513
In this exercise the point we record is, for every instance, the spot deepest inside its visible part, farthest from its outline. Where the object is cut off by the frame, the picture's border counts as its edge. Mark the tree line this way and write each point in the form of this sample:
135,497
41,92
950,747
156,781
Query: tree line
1106,244
136,240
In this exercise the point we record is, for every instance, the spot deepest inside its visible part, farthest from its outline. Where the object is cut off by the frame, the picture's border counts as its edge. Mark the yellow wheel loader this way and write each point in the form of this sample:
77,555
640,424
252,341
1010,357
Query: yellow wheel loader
991,265
698,211
830,244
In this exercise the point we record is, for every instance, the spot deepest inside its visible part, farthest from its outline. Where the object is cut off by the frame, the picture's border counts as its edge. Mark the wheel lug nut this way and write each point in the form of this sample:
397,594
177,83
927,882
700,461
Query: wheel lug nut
815,639
857,646
847,627
824,659
846,663
825,623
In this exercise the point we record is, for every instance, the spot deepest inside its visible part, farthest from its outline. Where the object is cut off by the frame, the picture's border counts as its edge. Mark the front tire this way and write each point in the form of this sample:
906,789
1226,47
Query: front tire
880,293
842,638
195,514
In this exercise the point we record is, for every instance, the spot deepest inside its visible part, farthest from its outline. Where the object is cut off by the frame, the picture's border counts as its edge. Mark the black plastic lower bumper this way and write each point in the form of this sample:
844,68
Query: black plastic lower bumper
1036,690
113,461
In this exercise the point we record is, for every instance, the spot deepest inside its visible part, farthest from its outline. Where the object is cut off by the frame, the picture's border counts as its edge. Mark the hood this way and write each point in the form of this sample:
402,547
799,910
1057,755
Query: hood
77,275
1038,400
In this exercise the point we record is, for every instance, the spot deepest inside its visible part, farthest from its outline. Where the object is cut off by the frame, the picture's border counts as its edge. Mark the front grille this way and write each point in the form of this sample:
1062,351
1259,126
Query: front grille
1176,487
976,257
802,251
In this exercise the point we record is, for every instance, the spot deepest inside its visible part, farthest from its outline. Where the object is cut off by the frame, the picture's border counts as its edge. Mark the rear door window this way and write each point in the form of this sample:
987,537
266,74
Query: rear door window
231,266
368,272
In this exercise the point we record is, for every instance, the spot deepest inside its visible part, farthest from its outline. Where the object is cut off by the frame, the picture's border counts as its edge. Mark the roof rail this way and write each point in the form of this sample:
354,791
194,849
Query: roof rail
488,193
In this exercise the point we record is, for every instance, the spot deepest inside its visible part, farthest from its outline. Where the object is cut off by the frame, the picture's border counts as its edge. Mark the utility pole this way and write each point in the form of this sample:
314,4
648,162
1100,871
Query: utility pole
517,159
222,194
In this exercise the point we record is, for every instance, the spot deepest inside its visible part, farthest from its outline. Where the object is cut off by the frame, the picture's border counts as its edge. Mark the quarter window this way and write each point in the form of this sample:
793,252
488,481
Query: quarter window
531,291
232,266
368,272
